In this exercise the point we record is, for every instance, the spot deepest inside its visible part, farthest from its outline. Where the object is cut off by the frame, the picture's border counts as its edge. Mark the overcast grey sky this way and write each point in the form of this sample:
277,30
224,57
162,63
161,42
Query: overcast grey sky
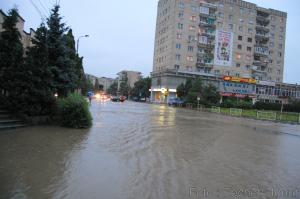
122,32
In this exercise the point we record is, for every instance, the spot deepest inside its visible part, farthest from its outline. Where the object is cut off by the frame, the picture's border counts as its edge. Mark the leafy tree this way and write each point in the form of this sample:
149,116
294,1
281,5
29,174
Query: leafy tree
113,89
124,86
86,86
181,91
11,55
59,54
96,86
211,94
141,88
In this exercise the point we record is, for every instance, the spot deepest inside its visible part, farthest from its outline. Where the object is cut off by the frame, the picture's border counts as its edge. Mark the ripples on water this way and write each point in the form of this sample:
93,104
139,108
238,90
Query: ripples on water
149,151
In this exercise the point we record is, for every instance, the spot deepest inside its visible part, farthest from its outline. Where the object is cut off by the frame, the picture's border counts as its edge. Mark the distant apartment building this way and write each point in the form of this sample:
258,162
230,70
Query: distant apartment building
104,82
25,37
132,77
216,38
222,37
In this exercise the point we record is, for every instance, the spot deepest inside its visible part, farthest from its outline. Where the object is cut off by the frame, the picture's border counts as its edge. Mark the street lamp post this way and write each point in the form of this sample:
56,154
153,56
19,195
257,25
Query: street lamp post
78,42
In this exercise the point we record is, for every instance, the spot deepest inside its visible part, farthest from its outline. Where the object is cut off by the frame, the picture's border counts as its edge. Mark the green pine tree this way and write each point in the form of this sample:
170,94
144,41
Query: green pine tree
11,55
60,62
38,77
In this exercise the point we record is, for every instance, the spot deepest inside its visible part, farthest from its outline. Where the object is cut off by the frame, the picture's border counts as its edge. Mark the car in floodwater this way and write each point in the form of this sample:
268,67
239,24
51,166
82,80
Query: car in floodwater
175,102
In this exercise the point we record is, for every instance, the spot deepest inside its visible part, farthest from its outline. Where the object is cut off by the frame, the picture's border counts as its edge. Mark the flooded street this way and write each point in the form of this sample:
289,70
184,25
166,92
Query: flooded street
142,151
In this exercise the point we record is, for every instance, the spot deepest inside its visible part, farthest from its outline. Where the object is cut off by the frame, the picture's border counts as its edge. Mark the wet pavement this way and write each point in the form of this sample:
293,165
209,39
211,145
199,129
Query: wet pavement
143,151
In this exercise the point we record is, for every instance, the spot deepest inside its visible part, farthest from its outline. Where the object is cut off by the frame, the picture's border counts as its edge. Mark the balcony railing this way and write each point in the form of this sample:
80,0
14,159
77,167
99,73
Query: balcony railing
262,50
262,28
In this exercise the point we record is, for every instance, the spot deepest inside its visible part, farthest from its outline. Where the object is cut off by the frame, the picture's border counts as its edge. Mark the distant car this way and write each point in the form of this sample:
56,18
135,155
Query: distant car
175,102
115,98
122,98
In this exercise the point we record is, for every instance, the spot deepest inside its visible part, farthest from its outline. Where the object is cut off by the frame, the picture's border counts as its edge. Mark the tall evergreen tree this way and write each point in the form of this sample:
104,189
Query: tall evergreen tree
11,54
59,56
38,76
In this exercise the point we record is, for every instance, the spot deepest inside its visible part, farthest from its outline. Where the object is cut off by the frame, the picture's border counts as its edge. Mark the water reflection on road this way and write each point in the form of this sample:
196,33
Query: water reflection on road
140,151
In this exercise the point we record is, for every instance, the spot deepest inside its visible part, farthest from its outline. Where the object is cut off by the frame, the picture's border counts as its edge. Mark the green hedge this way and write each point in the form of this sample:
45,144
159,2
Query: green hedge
74,111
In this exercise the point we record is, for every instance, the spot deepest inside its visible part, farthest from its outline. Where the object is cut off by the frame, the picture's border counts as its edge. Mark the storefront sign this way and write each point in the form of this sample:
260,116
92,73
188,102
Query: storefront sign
240,80
237,88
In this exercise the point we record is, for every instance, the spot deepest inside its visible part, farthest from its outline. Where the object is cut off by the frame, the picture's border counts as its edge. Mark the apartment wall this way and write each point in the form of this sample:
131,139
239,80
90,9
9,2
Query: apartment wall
178,23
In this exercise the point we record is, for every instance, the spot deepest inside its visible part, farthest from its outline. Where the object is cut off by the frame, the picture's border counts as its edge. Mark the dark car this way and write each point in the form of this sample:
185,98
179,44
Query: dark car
115,99
175,102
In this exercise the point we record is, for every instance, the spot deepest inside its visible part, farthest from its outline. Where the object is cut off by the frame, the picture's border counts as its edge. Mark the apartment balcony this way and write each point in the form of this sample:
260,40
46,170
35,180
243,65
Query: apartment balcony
207,24
210,35
211,6
260,63
262,19
261,50
262,28
261,35
201,63
206,46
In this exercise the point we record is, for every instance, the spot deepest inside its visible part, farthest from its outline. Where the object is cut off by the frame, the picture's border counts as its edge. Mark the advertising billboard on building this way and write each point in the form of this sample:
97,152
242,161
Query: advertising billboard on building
223,49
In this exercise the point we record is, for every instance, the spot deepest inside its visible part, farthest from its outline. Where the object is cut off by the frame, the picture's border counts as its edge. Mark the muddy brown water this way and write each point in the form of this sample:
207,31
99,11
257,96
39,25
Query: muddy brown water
137,151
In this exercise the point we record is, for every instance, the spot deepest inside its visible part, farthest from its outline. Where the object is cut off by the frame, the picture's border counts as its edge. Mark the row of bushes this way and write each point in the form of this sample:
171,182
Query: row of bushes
71,111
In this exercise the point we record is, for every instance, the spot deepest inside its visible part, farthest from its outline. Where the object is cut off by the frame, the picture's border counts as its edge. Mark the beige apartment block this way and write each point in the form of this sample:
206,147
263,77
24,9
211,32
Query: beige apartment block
26,38
220,37
132,77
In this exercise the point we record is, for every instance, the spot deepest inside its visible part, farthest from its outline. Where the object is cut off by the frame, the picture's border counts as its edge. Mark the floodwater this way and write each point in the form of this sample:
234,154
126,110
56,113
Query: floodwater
143,151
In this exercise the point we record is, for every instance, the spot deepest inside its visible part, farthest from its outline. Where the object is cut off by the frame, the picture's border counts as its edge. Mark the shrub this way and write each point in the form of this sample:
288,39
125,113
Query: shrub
74,111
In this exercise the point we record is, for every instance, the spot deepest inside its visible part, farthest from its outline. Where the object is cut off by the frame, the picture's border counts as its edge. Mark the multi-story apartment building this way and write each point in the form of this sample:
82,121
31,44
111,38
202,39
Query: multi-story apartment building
218,38
104,82
26,38
132,77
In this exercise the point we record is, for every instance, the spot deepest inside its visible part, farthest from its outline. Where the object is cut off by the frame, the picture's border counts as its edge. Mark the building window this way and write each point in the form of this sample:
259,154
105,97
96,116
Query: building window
241,28
177,57
179,35
250,30
241,20
220,24
281,29
280,37
248,57
240,38
271,44
280,46
250,22
190,58
181,5
230,26
176,67
192,28
249,39
180,26
221,14
238,65
249,49
178,46
193,18
180,14
279,54
194,8
241,11
238,56
272,27
190,48
230,17
239,46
